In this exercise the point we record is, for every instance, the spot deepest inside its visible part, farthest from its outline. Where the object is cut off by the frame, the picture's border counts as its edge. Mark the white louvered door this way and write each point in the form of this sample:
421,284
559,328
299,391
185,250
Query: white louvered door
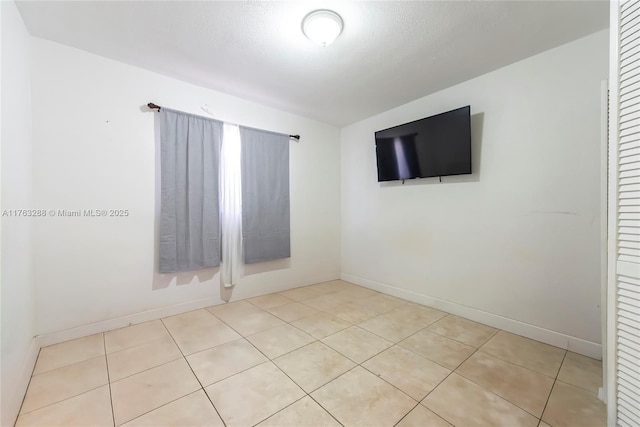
624,214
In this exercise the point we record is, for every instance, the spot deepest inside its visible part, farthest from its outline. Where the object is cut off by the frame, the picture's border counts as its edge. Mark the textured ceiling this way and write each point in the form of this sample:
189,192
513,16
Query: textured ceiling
389,53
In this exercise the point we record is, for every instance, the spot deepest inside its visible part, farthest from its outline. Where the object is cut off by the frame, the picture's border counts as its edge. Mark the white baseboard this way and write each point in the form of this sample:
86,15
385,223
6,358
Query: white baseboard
120,322
158,313
12,407
547,336
537,333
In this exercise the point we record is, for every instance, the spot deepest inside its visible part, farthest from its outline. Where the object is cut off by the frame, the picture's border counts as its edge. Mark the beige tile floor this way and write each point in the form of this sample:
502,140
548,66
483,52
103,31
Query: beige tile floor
324,355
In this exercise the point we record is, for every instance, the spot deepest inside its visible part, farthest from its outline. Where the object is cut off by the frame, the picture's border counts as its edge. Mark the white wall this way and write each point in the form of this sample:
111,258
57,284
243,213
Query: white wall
17,319
95,149
515,244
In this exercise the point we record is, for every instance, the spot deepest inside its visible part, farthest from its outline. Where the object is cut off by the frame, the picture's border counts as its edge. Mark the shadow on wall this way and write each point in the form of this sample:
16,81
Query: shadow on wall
477,125
162,281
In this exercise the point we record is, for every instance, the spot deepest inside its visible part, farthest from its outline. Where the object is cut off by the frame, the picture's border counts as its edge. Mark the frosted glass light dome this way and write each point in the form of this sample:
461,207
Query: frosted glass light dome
322,26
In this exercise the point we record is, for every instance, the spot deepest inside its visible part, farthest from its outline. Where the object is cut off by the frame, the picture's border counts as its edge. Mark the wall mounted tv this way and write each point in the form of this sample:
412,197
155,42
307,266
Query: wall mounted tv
439,145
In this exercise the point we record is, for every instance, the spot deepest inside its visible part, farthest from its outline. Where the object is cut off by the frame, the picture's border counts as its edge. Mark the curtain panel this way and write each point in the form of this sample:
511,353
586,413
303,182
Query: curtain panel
265,195
189,208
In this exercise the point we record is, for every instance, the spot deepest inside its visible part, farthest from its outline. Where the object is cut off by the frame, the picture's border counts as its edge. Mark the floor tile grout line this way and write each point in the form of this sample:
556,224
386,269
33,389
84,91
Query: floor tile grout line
357,324
322,385
234,374
367,370
440,383
534,340
334,305
320,342
405,415
306,394
65,399
194,375
237,331
328,382
240,333
246,338
280,410
354,361
386,381
291,301
140,344
413,352
291,379
286,353
414,333
493,335
522,366
454,371
426,329
320,311
493,392
299,318
146,369
306,299
68,365
496,330
315,339
352,368
553,386
593,393
163,364
479,349
240,338
272,362
395,342
162,406
325,409
508,362
269,360
437,363
106,362
27,391
302,330
421,405
361,363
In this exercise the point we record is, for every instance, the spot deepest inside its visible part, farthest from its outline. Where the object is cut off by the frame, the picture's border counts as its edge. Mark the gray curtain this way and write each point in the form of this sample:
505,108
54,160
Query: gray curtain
265,195
189,211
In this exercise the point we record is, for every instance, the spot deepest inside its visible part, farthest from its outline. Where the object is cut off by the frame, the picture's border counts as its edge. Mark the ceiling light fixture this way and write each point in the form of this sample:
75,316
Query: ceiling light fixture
322,26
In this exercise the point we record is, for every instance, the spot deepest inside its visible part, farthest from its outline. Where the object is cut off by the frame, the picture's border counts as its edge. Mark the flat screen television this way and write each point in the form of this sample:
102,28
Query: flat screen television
439,145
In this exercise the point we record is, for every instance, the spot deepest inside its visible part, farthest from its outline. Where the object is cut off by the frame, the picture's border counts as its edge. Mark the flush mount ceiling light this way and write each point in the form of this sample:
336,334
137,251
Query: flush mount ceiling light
322,26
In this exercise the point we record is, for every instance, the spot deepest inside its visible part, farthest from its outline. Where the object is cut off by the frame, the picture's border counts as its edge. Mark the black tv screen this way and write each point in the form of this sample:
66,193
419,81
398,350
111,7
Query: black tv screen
439,145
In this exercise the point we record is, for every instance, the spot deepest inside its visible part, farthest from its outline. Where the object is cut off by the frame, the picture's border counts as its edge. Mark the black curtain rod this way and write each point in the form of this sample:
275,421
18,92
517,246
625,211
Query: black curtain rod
153,106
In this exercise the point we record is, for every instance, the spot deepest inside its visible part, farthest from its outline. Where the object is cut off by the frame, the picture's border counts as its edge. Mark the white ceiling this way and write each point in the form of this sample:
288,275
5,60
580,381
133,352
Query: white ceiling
390,52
